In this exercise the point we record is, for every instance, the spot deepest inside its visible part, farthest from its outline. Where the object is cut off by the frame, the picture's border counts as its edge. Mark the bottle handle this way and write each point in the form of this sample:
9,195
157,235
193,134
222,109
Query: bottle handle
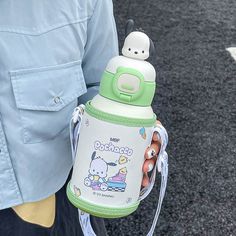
162,167
75,125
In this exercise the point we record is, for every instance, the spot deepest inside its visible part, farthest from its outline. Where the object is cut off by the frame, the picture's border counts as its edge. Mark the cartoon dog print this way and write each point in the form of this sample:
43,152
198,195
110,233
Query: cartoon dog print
97,173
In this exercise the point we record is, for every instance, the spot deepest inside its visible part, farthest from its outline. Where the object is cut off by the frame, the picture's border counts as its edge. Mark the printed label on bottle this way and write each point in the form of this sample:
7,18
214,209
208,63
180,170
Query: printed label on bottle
109,159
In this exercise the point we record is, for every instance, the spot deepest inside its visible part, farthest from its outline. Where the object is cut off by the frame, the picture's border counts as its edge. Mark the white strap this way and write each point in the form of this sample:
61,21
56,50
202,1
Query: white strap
75,124
164,174
162,166
84,219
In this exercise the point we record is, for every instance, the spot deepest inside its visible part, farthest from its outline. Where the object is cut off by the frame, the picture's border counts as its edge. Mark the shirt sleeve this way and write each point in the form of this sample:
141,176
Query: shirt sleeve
101,46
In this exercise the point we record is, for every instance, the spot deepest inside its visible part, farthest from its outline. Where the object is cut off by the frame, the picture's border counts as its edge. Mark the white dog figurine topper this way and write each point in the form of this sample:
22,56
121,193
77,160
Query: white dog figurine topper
136,49
137,44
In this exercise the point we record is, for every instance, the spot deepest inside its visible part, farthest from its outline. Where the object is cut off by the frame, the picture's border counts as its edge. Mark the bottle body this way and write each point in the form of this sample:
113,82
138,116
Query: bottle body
107,173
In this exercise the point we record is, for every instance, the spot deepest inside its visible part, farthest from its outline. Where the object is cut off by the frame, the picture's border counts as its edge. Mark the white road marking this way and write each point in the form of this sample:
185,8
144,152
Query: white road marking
232,51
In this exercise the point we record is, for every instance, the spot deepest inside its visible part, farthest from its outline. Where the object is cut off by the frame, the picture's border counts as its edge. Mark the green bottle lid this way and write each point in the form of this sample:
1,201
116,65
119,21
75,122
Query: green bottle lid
127,86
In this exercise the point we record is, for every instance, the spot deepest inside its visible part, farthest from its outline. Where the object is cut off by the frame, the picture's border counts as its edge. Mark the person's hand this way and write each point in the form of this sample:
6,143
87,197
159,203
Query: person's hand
150,156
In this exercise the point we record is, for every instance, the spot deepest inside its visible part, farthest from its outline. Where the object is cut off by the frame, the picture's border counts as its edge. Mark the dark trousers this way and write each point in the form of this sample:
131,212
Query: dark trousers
66,221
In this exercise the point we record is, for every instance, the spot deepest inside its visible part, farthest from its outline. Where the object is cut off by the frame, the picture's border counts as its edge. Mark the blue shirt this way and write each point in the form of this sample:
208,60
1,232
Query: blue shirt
50,52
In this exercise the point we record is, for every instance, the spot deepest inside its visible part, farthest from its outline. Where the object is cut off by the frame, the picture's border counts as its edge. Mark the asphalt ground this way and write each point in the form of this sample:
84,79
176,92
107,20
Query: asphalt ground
195,101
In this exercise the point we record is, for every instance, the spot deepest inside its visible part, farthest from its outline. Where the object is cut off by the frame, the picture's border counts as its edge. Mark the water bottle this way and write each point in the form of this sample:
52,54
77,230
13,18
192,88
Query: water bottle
115,129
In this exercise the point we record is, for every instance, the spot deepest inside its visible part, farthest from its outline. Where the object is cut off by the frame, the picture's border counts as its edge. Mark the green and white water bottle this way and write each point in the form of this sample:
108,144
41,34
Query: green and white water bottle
116,127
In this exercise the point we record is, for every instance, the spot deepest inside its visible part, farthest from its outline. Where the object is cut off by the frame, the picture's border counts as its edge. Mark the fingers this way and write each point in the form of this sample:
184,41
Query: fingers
148,165
152,151
156,136
154,148
145,181
150,155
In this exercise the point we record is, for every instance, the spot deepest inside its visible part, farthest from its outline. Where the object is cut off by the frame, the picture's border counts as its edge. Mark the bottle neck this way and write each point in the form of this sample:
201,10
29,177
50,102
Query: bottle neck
121,109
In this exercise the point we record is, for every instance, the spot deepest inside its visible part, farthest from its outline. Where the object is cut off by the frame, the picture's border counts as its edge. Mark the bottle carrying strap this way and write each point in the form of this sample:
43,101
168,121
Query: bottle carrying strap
85,223
75,124
160,166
